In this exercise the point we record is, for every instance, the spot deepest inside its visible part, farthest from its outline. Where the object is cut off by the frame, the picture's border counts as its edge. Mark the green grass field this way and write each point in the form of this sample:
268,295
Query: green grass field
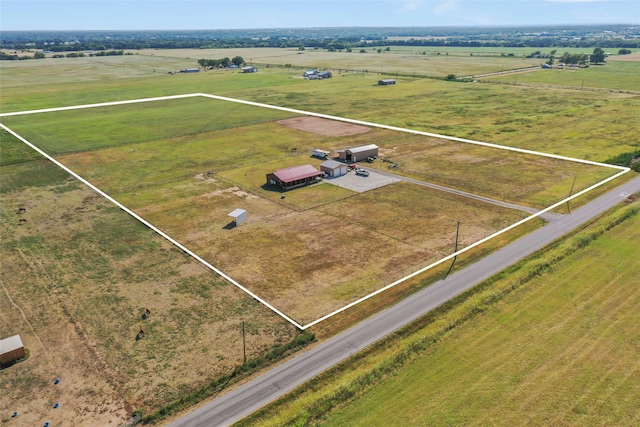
546,355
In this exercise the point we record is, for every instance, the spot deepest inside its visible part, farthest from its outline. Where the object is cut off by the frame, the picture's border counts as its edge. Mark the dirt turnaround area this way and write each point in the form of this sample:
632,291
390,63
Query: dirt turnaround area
324,127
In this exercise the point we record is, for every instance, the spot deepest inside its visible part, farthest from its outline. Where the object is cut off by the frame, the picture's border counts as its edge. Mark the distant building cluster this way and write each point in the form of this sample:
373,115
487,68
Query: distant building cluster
317,75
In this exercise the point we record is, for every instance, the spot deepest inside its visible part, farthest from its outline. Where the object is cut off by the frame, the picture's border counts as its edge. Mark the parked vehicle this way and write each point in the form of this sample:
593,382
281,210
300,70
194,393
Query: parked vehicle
362,172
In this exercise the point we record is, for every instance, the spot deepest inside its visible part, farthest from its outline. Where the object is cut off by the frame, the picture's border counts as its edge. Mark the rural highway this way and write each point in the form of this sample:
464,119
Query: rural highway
252,395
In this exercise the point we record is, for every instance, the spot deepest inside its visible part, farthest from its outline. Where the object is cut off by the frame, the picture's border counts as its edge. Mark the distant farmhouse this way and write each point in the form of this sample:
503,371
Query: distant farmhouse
386,82
249,69
317,75
357,154
190,70
294,177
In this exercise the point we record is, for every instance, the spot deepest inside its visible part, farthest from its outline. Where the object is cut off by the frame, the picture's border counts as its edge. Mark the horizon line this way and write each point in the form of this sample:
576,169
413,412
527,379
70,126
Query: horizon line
565,25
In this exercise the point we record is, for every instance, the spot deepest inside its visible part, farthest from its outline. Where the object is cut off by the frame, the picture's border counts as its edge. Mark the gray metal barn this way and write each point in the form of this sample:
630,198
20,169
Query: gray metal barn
357,154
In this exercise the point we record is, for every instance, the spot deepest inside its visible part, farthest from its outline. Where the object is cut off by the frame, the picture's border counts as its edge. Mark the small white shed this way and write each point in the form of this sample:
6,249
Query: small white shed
11,349
239,216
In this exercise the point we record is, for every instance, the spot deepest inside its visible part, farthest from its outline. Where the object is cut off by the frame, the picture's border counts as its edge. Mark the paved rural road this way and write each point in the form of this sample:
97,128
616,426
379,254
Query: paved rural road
256,393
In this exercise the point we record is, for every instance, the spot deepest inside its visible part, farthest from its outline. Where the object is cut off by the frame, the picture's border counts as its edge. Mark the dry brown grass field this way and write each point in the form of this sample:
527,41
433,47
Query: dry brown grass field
76,279
309,251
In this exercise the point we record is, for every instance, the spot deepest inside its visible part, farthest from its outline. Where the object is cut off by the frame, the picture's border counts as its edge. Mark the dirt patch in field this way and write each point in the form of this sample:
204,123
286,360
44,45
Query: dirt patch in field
324,127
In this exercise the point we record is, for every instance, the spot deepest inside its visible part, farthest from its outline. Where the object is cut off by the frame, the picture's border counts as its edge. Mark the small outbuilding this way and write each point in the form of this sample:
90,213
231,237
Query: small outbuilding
357,154
294,177
249,70
333,168
11,349
239,216
386,82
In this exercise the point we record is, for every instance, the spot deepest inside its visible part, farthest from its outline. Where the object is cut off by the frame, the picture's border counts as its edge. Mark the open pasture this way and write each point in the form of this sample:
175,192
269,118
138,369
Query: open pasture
75,280
580,124
409,62
615,74
196,325
184,164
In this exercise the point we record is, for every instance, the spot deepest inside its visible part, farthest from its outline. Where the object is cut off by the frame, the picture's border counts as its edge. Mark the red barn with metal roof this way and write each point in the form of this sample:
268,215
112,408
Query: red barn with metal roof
293,177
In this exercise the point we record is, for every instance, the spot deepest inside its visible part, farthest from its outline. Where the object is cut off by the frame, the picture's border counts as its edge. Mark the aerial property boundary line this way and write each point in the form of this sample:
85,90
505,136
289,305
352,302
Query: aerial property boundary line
155,229
622,171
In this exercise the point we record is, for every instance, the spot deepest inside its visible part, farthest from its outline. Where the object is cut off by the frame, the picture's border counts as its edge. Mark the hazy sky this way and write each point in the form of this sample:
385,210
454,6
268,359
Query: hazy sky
225,14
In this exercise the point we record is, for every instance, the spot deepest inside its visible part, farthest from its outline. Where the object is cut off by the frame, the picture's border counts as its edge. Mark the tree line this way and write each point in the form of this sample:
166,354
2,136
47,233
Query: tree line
605,36
41,55
221,63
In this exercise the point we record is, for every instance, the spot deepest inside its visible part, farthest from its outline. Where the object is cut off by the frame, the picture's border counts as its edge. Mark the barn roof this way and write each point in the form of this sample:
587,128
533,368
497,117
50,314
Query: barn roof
331,164
10,344
363,148
295,173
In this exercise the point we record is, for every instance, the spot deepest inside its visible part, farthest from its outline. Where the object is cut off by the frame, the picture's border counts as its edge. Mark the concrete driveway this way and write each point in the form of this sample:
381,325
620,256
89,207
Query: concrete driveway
359,183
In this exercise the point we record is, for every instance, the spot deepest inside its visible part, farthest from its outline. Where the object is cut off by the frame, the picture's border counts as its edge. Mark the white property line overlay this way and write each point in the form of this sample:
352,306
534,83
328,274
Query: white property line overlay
622,170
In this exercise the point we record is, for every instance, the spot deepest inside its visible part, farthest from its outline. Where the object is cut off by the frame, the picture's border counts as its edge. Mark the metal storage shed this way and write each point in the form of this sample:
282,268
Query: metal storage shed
239,216
11,349
333,168
356,154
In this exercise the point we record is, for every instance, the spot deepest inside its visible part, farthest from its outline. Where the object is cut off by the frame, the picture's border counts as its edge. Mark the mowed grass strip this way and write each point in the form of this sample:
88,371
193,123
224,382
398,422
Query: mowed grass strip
552,341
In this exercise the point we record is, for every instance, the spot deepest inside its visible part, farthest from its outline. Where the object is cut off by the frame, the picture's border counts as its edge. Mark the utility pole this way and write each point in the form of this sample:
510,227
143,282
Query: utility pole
244,346
454,251
571,192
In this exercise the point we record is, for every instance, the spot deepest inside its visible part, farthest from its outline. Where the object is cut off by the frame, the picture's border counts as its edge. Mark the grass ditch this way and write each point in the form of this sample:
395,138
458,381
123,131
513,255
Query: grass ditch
240,372
316,399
